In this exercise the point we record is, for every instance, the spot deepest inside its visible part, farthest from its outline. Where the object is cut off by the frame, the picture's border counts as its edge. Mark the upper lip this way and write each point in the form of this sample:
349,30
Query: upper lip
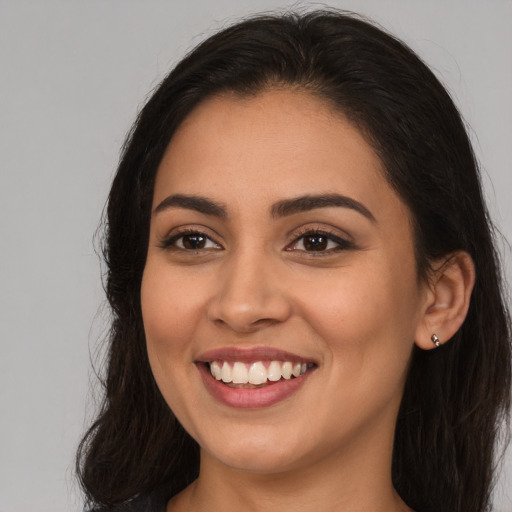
248,355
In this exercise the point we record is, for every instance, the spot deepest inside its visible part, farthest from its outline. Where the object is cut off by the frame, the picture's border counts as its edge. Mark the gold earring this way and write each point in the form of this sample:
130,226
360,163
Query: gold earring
435,340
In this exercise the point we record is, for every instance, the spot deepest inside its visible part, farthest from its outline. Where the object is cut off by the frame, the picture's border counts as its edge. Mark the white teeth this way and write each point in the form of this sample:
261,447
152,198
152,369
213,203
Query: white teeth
256,373
226,374
274,371
215,370
240,374
287,370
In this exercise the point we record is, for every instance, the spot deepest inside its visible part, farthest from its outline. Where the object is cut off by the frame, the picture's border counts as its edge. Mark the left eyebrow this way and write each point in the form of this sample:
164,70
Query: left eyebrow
312,202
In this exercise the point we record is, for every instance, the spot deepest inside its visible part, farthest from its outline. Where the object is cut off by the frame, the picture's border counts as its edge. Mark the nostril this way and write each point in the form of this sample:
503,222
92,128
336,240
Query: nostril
265,322
248,326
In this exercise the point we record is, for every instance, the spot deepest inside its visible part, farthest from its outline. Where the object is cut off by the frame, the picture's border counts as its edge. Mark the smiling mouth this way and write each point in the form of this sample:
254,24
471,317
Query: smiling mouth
258,374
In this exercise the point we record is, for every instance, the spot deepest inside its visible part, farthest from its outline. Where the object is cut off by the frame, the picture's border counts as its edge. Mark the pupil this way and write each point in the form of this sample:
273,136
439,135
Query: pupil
315,243
194,242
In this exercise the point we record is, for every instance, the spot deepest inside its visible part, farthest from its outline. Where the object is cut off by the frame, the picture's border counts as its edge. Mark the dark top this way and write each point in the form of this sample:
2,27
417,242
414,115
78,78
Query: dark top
140,504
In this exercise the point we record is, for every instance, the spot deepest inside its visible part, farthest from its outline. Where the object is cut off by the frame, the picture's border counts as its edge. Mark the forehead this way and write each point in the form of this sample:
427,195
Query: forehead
274,145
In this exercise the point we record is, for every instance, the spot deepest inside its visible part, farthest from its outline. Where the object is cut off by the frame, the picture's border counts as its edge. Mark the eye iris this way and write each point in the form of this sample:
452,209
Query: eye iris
315,243
194,242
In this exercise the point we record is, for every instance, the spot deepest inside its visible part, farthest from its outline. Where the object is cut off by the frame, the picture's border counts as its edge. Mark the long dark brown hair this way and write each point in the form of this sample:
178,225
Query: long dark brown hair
456,397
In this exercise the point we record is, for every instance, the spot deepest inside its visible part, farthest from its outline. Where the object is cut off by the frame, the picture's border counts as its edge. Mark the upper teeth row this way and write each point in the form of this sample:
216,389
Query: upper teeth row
256,373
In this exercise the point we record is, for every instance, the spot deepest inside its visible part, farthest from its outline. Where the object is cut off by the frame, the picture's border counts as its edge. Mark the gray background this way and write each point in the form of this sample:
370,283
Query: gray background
72,75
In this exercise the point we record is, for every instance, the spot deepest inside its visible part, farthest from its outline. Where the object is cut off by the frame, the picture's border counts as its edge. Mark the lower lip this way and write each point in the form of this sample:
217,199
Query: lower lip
250,398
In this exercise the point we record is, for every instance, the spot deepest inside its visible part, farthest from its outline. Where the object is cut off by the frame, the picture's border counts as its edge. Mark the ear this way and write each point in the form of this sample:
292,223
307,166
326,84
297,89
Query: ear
450,285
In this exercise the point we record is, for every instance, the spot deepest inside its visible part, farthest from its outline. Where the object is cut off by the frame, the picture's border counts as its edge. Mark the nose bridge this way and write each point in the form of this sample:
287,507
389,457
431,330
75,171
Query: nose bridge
249,294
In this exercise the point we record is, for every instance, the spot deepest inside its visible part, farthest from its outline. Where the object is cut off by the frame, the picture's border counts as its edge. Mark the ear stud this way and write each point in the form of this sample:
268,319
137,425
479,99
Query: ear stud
435,340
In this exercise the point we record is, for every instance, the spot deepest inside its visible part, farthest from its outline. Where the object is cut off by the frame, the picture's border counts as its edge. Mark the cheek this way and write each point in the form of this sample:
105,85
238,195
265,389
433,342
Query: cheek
169,323
171,305
366,326
365,319
170,319
351,306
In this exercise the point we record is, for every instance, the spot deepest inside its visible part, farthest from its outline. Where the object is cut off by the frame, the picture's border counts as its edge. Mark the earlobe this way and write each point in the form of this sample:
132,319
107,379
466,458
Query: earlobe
450,285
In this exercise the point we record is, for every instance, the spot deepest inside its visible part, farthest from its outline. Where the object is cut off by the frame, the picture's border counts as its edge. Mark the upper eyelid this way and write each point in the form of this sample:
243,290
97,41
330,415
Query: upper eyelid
185,229
317,228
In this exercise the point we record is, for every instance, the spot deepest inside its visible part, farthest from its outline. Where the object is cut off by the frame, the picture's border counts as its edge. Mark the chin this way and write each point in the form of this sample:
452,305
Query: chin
256,459
261,452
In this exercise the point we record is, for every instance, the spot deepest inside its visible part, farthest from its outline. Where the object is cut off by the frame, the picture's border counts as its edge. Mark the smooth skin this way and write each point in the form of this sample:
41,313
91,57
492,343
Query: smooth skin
334,284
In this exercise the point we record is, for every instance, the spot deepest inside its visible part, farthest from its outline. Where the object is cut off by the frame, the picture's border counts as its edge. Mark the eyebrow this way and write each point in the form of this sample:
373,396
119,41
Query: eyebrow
312,202
282,208
196,203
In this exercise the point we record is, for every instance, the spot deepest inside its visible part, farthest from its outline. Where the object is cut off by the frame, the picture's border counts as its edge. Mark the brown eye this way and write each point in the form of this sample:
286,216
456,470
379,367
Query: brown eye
190,241
194,242
319,242
315,243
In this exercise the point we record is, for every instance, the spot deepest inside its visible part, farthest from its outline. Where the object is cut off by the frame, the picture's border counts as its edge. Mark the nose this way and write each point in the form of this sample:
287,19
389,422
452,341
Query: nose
250,295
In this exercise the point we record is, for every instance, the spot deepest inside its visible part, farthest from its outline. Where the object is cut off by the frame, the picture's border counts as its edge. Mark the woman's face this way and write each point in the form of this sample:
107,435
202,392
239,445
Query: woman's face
280,259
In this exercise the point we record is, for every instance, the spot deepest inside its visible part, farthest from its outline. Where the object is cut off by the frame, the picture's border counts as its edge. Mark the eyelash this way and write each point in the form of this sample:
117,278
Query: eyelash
170,242
342,244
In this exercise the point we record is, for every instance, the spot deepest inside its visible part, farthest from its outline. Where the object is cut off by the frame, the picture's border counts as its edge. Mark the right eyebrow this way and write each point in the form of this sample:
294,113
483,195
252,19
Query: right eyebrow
197,203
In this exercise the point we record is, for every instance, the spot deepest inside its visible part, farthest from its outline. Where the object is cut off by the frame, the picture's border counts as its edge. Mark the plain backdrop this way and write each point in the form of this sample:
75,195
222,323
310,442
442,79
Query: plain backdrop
73,74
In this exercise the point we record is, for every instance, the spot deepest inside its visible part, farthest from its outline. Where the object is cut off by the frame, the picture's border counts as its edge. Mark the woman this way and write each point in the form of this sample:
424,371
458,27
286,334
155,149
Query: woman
307,309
